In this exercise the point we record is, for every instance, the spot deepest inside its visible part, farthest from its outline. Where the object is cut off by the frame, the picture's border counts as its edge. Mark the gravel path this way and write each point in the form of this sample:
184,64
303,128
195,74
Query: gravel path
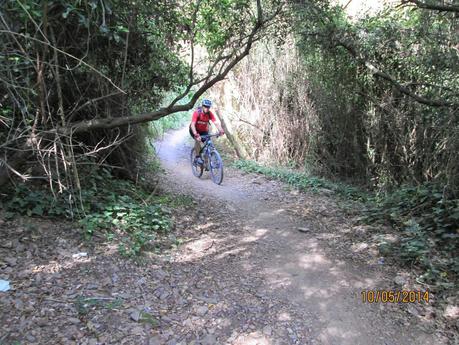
259,263
257,274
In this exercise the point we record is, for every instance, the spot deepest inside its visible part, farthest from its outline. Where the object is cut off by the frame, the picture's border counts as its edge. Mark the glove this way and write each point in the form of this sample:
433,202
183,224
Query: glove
197,137
222,132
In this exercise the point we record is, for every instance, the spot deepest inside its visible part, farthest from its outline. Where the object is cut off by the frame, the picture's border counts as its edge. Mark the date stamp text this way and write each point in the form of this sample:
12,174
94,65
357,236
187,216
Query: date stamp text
394,296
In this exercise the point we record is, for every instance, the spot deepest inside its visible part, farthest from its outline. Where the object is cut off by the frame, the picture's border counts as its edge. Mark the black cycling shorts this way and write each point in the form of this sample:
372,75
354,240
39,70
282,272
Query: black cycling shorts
200,133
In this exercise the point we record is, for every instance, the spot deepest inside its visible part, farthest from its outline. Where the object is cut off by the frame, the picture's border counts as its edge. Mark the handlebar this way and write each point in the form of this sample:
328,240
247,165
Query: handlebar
207,136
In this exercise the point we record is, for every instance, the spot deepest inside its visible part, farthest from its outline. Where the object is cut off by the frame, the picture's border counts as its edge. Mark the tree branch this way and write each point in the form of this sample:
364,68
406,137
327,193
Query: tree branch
442,7
65,53
403,89
107,123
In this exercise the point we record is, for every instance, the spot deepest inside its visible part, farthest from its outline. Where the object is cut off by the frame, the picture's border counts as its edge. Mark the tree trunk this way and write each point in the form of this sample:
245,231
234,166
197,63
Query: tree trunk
234,140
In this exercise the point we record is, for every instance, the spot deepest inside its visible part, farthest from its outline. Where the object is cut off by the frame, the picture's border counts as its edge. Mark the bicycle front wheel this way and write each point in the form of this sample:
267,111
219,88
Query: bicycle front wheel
195,167
216,167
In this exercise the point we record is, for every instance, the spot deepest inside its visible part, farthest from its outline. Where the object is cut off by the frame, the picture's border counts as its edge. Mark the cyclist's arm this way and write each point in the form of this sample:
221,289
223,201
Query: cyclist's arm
216,123
194,118
193,128
219,126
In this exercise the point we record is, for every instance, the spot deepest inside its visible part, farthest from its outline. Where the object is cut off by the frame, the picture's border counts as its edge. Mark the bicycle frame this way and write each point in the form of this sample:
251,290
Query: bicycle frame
212,160
208,144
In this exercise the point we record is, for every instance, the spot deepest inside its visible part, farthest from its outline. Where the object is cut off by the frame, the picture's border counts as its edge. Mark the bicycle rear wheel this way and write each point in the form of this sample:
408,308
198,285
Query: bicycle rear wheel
195,167
216,167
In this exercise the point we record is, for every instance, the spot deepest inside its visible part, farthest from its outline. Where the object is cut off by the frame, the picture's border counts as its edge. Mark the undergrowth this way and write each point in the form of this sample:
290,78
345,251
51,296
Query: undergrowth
122,211
300,180
427,221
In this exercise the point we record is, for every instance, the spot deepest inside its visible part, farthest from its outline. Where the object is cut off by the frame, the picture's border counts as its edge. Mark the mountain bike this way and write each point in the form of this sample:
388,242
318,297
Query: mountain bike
212,160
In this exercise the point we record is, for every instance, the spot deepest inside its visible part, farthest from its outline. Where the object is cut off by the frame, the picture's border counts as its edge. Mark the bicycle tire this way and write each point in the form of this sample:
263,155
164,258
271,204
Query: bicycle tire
216,167
195,168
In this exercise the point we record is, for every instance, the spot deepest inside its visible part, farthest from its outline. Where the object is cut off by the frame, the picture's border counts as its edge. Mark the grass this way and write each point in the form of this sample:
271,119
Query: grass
301,180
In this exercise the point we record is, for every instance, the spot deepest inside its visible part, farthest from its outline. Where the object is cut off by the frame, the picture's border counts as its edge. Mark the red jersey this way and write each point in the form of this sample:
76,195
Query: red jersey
202,119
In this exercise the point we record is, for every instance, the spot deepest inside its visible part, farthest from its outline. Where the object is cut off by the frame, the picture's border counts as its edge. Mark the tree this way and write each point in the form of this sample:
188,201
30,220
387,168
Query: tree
75,74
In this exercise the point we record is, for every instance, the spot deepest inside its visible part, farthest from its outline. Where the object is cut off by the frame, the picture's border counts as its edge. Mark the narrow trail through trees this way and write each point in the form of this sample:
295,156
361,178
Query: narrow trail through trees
268,282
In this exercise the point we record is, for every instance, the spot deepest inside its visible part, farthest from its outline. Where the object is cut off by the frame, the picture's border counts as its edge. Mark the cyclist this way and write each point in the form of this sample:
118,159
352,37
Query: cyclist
200,126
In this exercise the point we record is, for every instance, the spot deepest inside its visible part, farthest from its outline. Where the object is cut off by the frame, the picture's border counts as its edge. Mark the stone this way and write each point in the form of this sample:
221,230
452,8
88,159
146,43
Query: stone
135,315
267,330
7,244
201,311
30,338
400,280
188,323
156,340
74,320
451,312
209,339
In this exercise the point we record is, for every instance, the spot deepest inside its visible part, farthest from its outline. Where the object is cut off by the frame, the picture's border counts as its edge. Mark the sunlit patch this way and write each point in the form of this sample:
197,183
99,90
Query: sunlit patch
55,267
254,338
390,238
337,332
360,229
277,281
344,229
283,316
364,283
358,8
313,259
254,237
327,235
359,247
205,226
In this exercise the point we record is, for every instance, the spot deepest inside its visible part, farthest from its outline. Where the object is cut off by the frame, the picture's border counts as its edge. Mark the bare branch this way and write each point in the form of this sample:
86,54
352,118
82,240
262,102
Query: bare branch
442,7
403,89
65,53
91,101
210,80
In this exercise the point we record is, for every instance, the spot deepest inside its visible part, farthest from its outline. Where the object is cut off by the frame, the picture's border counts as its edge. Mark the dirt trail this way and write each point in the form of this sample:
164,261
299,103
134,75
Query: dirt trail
244,273
260,280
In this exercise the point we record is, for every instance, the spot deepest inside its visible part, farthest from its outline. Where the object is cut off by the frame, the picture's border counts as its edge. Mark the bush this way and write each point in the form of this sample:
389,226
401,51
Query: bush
115,207
428,223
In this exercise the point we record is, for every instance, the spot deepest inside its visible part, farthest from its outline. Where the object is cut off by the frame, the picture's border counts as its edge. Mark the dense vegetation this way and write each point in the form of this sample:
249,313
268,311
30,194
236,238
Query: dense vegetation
372,101
78,77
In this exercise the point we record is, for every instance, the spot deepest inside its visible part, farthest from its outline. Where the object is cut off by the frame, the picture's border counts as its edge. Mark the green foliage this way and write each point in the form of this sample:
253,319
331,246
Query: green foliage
100,48
214,30
174,121
36,202
118,208
300,180
428,223
367,127
84,305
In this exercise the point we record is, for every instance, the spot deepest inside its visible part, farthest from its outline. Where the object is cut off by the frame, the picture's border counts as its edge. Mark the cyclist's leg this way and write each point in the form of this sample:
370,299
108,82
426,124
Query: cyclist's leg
203,156
197,146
